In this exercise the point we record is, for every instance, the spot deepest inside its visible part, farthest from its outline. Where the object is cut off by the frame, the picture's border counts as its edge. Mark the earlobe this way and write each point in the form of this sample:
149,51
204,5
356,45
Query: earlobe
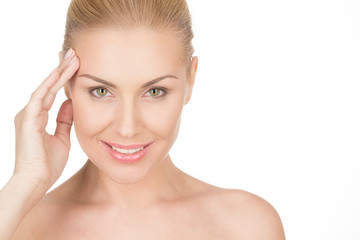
191,77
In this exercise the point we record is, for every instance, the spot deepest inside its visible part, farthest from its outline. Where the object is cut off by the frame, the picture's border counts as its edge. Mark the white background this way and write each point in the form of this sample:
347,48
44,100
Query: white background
275,109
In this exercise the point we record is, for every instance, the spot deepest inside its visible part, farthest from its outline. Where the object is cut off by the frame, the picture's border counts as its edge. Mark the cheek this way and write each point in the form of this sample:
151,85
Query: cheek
164,118
89,119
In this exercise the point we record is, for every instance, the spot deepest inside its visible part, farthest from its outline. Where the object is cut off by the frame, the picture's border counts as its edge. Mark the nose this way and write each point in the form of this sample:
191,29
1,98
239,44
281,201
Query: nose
126,119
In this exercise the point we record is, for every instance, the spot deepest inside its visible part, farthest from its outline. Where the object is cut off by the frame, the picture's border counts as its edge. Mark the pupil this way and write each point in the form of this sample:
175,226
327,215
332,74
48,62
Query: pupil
101,91
154,92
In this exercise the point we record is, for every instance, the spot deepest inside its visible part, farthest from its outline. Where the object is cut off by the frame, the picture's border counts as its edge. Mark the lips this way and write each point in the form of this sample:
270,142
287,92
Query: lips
126,153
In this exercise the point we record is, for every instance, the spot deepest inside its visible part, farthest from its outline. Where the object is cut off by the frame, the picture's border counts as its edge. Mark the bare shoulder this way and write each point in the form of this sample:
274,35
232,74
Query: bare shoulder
247,216
237,214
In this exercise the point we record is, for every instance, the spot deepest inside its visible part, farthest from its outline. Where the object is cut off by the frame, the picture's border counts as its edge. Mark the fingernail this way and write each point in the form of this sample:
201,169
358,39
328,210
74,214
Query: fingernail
73,60
68,53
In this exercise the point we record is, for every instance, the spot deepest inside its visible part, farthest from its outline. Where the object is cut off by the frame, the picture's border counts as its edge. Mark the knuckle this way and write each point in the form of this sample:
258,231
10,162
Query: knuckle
33,96
52,93
27,110
17,119
19,116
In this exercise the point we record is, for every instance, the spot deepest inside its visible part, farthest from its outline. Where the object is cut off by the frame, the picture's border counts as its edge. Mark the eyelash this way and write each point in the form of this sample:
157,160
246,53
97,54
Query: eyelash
163,92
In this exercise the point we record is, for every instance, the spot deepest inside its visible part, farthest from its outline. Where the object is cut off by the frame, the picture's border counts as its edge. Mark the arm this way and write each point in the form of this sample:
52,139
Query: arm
17,198
40,157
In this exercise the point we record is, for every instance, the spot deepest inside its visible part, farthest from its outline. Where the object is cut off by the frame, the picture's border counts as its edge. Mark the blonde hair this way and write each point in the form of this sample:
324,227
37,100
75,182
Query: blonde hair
171,15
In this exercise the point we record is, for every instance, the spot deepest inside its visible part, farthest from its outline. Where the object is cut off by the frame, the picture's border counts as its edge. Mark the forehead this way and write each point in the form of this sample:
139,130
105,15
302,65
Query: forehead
110,52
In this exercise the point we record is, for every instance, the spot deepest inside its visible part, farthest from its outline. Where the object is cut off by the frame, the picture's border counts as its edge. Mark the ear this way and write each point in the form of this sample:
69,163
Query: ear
191,77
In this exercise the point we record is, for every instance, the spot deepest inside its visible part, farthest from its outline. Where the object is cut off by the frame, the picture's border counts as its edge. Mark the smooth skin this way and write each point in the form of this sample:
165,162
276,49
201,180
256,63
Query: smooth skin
40,157
107,199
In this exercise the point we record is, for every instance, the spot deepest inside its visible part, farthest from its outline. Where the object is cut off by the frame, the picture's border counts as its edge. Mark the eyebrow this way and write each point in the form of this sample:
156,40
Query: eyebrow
152,82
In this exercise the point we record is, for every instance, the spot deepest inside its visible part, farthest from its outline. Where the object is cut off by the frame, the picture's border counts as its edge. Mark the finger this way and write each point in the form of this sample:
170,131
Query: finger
65,76
64,122
70,54
49,82
44,96
61,57
68,72
35,105
46,85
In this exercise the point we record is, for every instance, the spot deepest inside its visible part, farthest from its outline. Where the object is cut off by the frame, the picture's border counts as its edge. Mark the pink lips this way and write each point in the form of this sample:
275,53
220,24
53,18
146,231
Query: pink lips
126,158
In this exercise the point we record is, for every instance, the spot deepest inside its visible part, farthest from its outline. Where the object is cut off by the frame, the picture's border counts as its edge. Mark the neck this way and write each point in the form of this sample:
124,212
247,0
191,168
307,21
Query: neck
164,183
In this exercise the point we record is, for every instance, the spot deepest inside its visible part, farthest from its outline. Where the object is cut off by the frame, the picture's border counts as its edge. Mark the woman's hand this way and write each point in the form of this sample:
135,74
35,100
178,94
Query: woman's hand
40,156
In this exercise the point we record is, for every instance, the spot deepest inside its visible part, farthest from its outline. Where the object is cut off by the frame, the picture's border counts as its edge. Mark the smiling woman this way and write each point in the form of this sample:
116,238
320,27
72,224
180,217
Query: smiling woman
133,91
128,70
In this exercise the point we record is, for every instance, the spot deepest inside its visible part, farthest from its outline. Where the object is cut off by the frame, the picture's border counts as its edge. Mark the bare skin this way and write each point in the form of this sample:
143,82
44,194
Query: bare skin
194,210
107,199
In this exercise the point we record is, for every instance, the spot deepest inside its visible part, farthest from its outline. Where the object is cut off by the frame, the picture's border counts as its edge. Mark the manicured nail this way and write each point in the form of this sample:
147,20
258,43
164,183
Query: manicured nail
68,53
73,60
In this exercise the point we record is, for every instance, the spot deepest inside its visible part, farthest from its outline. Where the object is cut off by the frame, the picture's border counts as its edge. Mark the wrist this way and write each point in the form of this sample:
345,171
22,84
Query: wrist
30,184
17,198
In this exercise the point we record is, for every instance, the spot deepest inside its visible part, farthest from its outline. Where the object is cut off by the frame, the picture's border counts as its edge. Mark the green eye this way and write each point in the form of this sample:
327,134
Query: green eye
155,92
101,92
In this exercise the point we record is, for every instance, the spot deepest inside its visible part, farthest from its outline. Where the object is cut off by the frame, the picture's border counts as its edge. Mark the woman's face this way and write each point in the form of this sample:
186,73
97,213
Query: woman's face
127,99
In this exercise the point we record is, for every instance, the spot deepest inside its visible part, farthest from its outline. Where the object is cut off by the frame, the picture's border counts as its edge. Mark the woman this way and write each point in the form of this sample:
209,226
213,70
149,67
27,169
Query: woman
127,70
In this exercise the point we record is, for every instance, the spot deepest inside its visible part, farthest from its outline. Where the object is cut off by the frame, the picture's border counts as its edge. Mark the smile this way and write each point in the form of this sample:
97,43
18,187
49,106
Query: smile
127,151
127,154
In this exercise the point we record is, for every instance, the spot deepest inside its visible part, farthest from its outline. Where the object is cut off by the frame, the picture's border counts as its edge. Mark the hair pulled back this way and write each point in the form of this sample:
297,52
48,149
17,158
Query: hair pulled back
158,15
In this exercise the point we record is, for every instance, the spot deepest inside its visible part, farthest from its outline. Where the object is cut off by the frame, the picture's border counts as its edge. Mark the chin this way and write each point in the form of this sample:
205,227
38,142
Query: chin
128,174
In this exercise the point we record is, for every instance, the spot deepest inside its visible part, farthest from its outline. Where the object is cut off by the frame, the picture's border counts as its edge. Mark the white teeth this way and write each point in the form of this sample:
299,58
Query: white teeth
127,151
